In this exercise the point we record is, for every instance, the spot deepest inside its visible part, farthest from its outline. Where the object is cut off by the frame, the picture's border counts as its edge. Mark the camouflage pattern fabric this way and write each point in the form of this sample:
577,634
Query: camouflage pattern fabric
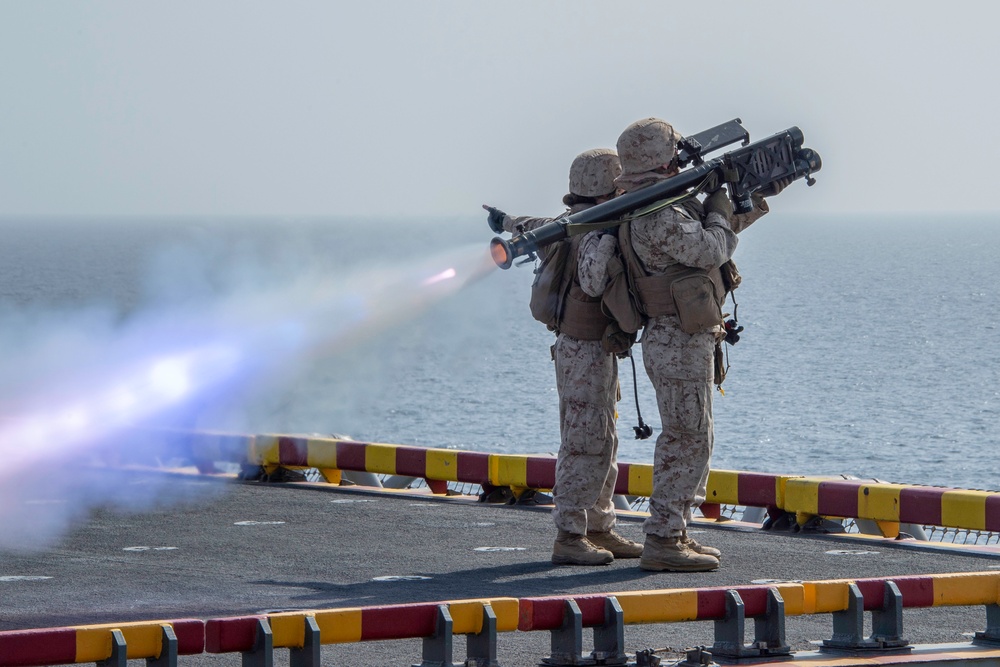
593,173
680,367
587,469
671,237
592,261
587,384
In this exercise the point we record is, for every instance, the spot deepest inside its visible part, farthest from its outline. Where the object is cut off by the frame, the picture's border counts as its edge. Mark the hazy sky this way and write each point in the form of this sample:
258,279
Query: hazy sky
432,108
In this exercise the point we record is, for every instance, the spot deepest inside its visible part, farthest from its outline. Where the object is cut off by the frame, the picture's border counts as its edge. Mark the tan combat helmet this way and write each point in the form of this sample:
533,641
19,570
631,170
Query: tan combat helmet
644,146
593,173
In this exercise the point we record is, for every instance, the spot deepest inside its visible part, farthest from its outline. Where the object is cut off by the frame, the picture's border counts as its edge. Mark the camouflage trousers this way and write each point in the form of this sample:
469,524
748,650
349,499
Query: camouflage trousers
586,470
680,367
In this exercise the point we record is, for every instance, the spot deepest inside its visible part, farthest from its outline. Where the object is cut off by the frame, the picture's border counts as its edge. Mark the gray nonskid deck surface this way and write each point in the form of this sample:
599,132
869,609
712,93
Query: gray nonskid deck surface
254,548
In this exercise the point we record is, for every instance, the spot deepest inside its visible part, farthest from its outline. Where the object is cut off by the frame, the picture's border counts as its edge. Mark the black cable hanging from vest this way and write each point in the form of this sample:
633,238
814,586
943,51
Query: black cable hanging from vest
642,431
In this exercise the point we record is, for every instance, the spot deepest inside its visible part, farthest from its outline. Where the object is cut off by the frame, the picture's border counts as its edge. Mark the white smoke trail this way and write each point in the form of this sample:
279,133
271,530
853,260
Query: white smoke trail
82,381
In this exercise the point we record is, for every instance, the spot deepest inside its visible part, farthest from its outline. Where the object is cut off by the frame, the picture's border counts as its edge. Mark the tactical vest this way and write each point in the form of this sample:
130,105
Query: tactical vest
694,295
557,299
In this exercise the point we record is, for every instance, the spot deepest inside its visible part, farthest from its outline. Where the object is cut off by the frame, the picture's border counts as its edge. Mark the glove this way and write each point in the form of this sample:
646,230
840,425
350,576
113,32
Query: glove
719,202
775,187
495,219
719,177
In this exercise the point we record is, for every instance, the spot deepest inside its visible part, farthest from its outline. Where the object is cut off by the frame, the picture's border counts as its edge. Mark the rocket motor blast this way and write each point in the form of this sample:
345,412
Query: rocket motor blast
746,170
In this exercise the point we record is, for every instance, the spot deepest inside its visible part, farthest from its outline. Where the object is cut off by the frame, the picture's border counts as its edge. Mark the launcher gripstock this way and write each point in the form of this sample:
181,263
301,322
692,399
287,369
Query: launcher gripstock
779,157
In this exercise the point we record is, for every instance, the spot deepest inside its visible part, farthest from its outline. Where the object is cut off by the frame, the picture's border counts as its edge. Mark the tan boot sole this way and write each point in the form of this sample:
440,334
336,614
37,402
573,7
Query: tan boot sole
568,560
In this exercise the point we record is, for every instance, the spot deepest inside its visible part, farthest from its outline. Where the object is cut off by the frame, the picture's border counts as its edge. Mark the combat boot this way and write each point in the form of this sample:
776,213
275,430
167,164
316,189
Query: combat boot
619,546
703,549
573,549
670,554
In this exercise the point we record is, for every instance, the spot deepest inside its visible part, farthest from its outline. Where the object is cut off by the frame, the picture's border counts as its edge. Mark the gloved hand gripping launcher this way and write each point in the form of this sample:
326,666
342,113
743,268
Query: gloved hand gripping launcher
746,170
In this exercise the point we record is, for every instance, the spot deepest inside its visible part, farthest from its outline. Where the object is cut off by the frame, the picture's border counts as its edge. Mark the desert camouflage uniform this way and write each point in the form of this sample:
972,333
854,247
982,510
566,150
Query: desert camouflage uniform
587,383
679,365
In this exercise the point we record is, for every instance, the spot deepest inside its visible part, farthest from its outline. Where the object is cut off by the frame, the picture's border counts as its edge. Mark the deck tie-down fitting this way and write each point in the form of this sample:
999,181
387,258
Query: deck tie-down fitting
991,636
309,655
887,624
481,647
262,653
609,638
769,631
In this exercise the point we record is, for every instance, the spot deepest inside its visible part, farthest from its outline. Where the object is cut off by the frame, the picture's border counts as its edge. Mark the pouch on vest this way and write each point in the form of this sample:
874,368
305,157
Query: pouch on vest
617,342
618,300
548,290
697,307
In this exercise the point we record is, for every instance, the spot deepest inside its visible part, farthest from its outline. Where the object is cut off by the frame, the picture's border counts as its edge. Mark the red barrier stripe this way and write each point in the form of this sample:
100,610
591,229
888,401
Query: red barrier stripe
540,473
292,451
920,504
398,622
993,513
916,591
548,613
592,609
350,455
229,635
621,484
838,498
712,601
31,648
756,489
473,467
411,461
190,635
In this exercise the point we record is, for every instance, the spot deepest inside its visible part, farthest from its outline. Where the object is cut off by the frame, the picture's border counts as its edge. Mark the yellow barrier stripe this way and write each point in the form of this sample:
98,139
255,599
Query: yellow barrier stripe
821,597
288,629
339,626
507,611
658,606
794,597
781,489
723,487
380,459
964,509
967,588
640,479
263,450
508,470
802,495
879,502
143,639
442,464
467,615
321,453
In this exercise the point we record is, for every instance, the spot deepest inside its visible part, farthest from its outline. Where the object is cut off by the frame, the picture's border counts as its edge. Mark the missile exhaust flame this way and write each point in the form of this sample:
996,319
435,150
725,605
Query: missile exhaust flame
161,367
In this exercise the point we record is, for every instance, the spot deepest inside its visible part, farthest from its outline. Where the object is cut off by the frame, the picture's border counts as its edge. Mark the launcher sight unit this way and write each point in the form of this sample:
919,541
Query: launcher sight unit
749,168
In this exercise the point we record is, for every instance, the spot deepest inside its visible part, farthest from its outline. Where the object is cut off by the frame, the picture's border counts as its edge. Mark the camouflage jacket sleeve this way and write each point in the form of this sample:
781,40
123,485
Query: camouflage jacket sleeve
741,221
670,237
592,261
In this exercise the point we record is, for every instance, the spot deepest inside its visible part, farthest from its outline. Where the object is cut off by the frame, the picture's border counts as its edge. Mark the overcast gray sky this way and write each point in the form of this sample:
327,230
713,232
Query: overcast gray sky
432,108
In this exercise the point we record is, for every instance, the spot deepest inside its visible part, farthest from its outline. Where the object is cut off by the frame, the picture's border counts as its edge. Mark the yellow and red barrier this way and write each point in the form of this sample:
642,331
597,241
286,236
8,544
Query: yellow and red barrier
84,644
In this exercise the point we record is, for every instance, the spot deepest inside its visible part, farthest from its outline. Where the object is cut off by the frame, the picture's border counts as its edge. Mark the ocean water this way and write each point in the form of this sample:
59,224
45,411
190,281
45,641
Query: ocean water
869,348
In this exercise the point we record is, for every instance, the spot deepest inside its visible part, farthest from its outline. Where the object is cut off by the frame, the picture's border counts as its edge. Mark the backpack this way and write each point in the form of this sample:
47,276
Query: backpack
553,278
